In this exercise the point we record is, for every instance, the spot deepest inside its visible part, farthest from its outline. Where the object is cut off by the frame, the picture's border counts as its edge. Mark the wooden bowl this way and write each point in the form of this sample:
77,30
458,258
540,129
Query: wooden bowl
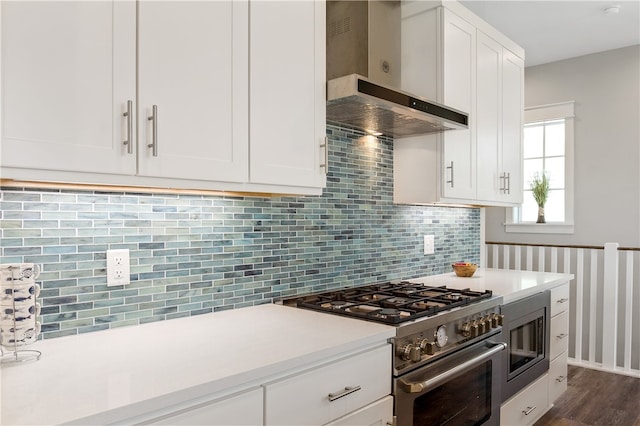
464,270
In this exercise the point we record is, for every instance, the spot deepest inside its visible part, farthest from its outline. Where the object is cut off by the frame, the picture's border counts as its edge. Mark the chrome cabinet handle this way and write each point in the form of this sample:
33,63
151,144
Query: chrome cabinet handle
529,410
446,375
505,186
561,379
562,335
507,182
563,300
325,146
346,391
451,168
154,131
129,140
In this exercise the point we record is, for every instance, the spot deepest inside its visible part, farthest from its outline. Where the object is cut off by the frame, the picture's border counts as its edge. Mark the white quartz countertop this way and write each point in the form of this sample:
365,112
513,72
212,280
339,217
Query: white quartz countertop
154,365
173,361
511,285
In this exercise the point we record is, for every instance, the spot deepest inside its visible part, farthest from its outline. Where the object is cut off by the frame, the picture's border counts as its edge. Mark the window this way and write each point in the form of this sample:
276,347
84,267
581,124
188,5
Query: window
547,148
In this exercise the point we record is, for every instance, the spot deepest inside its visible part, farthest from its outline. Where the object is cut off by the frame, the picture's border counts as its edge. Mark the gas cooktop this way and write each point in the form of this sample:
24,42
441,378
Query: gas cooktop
389,303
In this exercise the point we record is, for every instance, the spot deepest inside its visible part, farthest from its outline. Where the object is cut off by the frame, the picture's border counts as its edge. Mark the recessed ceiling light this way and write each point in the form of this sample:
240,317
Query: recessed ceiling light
611,10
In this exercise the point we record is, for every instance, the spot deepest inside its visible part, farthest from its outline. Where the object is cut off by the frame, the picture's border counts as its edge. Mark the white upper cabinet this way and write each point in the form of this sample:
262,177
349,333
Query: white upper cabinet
166,94
288,101
448,57
438,63
499,122
68,70
193,66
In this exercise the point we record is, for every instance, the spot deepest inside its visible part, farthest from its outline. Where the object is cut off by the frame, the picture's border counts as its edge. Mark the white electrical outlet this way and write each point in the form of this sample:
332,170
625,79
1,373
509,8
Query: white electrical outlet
118,267
429,244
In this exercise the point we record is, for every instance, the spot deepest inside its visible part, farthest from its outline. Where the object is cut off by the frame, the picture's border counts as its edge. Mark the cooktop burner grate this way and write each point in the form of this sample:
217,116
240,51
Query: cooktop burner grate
388,302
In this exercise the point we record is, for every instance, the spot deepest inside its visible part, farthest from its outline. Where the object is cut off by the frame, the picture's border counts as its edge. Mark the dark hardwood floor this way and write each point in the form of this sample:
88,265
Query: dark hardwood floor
596,398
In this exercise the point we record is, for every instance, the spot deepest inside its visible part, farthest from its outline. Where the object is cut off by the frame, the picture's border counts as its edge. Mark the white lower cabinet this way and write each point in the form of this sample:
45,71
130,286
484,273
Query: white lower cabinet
559,341
324,394
528,405
245,408
353,390
380,413
557,377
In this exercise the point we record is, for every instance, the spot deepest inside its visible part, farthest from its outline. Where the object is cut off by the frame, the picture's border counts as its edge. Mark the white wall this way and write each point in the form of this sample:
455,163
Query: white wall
606,89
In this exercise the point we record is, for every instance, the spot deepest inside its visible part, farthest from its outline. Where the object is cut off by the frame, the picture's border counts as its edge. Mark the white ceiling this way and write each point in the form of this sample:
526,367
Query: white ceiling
554,30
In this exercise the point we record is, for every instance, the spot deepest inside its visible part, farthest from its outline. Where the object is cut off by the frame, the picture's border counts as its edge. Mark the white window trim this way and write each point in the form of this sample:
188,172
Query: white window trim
548,112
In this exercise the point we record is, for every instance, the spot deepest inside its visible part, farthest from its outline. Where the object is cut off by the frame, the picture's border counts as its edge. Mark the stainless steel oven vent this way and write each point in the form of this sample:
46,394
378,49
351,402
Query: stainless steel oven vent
363,68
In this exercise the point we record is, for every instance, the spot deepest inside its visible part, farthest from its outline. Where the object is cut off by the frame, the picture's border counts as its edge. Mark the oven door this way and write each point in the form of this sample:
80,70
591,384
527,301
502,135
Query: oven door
460,389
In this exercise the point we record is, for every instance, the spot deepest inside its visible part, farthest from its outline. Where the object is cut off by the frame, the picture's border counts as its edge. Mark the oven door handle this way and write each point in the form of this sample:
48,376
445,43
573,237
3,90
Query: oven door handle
443,377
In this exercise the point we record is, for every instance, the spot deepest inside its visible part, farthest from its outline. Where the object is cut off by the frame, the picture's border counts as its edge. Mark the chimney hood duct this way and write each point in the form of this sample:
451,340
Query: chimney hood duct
363,72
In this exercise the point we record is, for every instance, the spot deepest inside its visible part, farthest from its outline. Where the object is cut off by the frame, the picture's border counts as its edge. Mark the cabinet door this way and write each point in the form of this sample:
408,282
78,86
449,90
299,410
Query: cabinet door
327,393
287,81
489,123
380,413
559,338
499,122
68,70
242,409
458,91
528,405
512,122
557,377
193,65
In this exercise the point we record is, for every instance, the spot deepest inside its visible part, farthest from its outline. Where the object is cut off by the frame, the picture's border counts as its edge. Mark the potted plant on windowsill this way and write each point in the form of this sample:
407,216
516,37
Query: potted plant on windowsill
539,186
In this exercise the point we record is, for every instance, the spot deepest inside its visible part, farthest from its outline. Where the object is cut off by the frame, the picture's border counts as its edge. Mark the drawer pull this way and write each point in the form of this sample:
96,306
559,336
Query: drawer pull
347,391
563,300
560,379
529,410
562,335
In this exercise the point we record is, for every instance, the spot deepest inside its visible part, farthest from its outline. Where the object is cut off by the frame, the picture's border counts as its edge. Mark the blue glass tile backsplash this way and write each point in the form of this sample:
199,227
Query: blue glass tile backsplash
193,254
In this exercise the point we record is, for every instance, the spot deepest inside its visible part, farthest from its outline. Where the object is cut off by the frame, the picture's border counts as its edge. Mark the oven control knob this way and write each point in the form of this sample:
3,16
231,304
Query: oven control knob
428,347
415,354
410,352
499,318
475,329
465,329
482,326
493,321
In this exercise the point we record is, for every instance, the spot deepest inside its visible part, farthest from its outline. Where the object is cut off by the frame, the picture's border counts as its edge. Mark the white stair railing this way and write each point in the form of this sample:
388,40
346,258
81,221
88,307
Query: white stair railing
605,298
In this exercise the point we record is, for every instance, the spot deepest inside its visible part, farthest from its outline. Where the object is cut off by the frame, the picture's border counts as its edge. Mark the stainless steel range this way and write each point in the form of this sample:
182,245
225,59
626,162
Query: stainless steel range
447,348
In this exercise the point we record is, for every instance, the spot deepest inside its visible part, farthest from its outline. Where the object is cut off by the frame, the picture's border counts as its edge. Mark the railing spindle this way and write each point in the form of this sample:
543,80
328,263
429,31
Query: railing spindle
593,295
610,306
579,303
628,310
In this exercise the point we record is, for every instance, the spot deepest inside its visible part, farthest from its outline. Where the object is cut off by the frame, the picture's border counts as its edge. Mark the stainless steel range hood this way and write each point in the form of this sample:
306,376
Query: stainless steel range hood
363,69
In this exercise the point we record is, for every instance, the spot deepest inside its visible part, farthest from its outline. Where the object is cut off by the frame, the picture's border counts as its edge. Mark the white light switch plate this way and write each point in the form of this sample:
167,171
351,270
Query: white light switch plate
118,267
429,244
